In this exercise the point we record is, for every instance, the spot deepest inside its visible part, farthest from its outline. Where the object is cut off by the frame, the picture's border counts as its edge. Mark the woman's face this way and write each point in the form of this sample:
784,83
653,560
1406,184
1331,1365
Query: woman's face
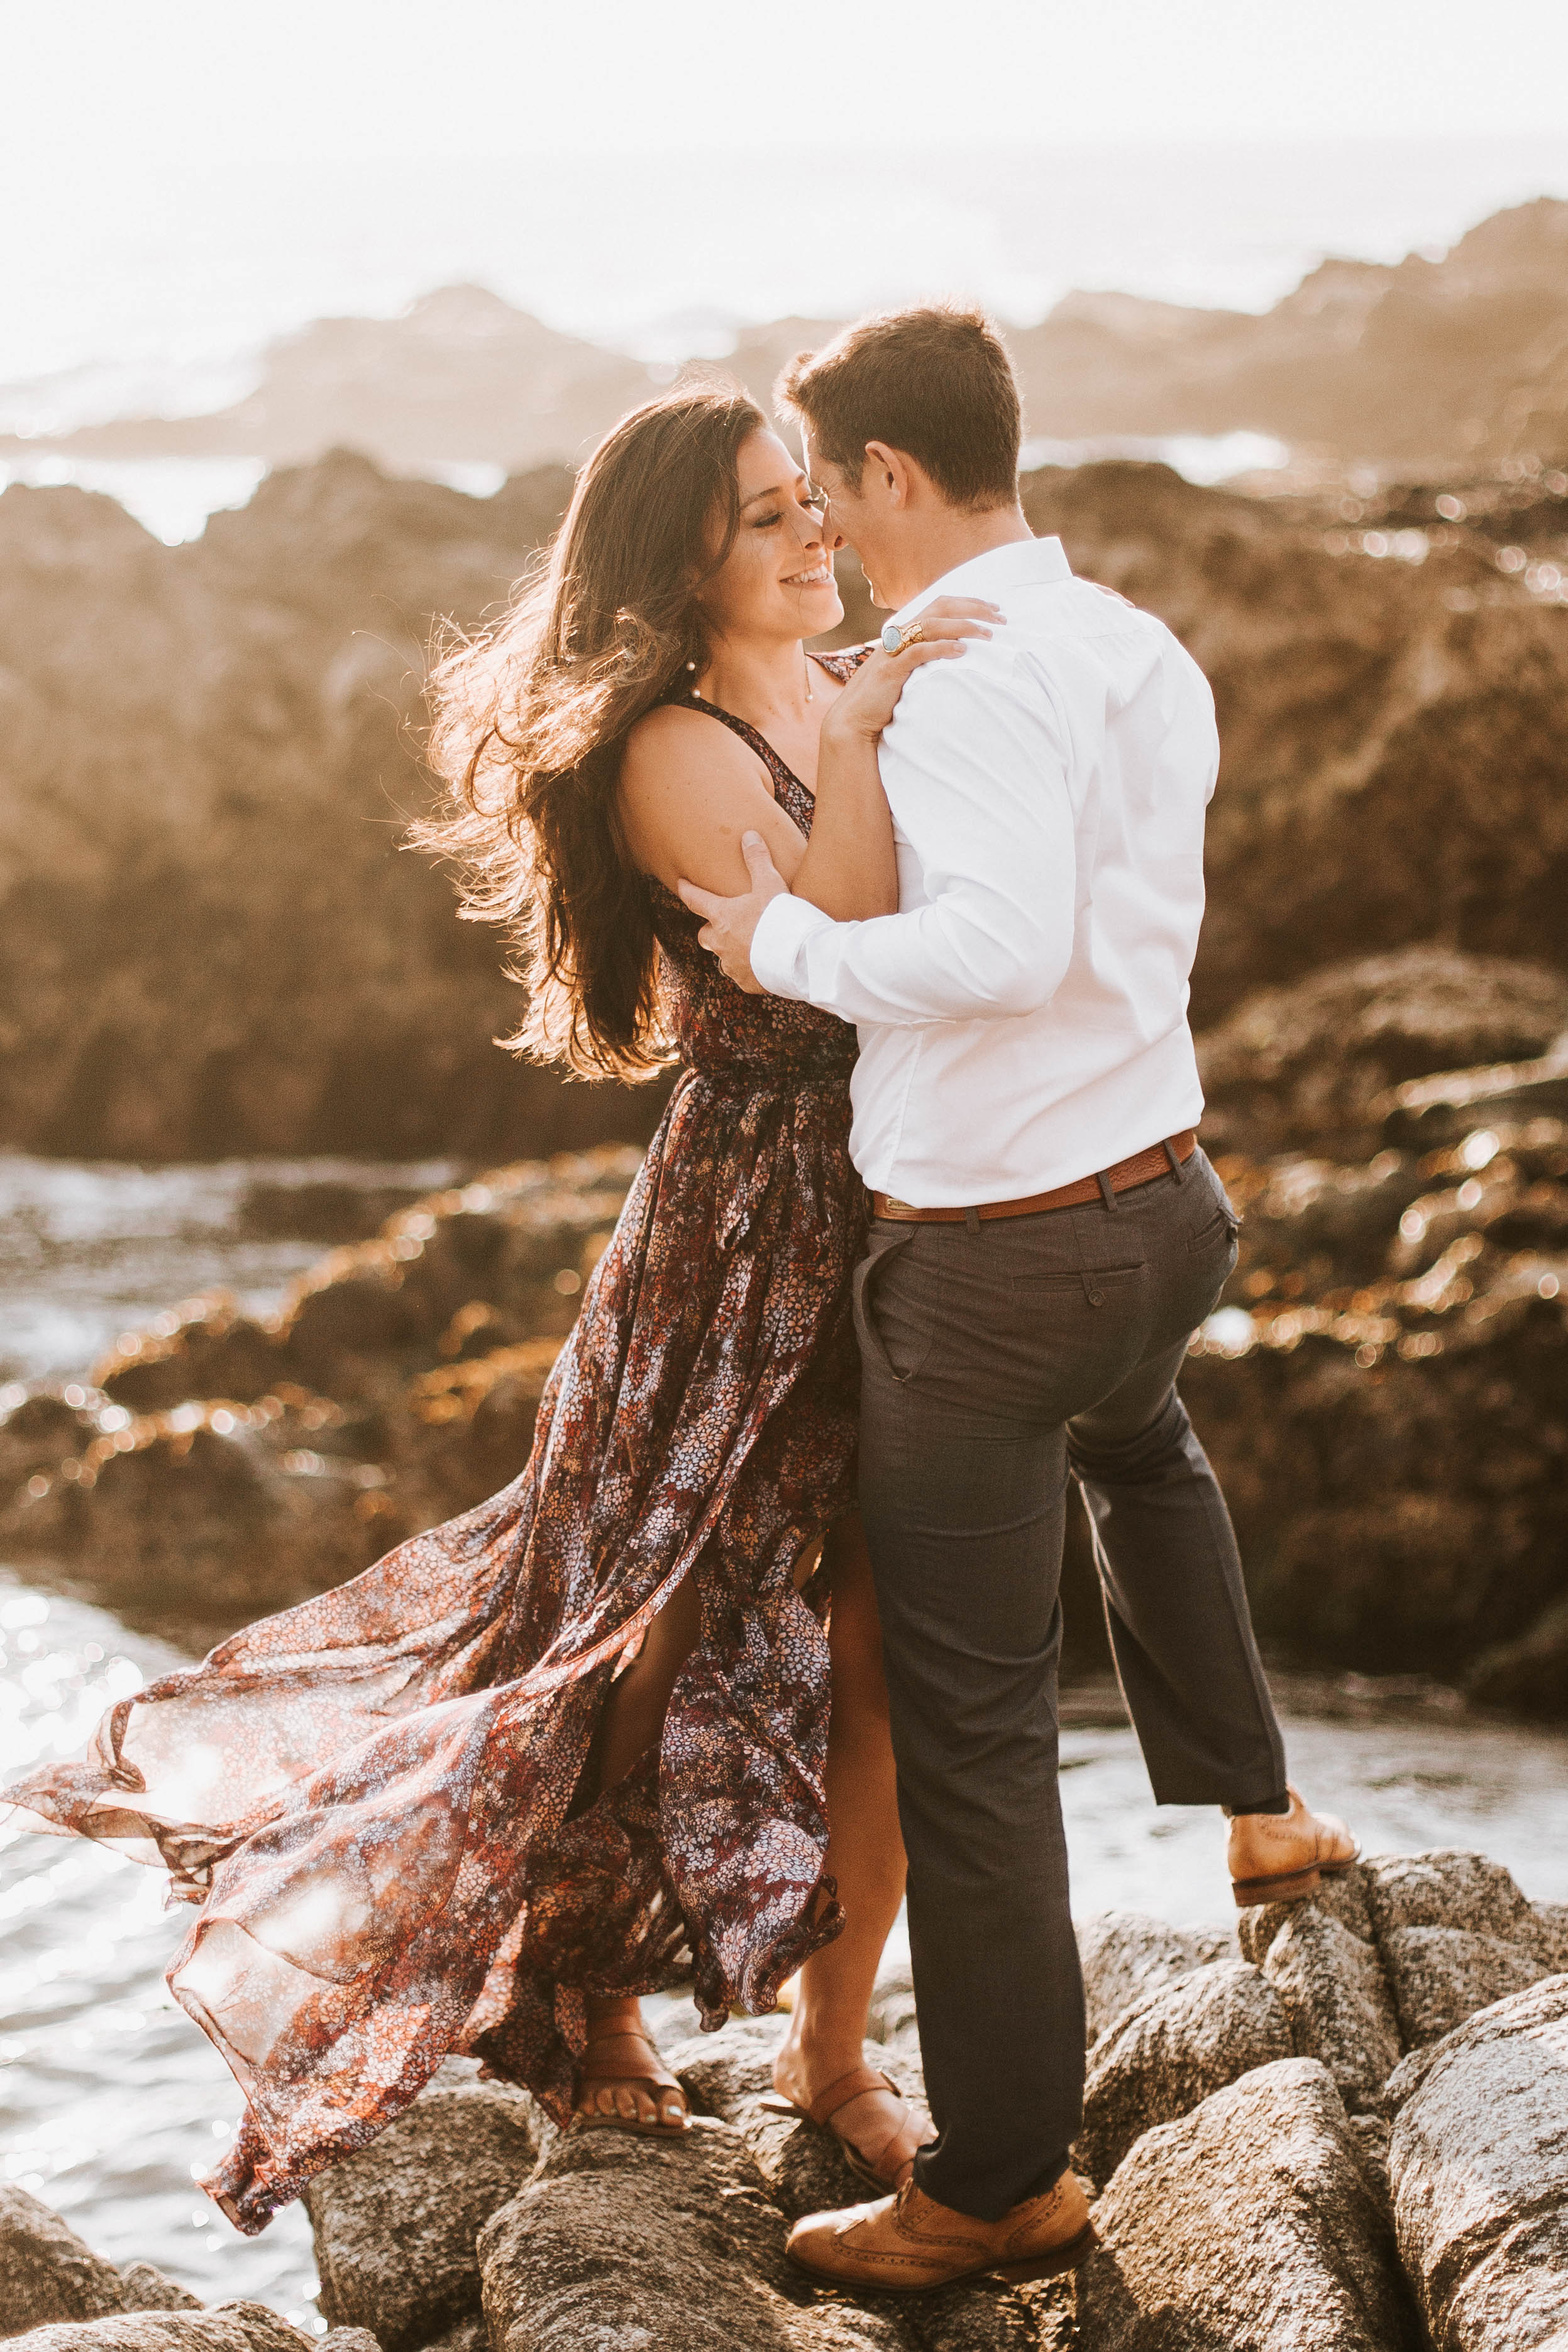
778,579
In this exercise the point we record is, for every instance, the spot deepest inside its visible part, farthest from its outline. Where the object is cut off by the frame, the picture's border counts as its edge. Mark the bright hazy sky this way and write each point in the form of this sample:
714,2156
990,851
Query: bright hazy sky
181,179
100,84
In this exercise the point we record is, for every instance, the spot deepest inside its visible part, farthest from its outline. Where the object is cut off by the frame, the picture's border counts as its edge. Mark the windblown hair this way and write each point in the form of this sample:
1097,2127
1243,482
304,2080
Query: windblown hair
935,383
530,721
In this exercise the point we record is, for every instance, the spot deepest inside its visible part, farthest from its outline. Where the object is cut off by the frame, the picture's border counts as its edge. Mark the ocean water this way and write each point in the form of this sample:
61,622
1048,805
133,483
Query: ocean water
173,497
112,2101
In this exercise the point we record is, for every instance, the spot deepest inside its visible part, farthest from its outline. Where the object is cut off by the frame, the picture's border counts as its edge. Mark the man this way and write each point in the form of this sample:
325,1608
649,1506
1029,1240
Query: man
1046,1237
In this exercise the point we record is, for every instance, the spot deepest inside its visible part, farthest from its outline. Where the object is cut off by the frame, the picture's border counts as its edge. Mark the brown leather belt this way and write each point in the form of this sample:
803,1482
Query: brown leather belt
1142,1168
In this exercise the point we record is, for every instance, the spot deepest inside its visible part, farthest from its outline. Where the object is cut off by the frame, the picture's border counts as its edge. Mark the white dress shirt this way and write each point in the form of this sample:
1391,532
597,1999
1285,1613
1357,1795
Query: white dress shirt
1023,1018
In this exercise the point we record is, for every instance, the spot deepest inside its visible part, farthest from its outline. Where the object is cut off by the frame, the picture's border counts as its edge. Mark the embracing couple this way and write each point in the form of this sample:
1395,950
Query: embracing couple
768,1626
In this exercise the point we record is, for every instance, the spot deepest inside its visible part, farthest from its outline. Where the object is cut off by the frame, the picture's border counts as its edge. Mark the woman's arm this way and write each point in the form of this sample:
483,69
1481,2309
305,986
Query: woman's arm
848,869
689,790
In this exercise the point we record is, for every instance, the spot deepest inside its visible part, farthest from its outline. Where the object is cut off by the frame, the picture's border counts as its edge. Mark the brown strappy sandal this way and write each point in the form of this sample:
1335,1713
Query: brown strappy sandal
867,2168
589,2074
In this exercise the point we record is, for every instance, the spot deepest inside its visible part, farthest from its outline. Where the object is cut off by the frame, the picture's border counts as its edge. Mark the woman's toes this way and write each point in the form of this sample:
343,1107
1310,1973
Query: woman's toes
673,2110
626,2102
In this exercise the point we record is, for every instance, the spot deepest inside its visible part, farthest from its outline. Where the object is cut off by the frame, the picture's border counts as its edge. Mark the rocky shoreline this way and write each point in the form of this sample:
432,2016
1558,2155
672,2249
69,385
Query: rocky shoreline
1336,2127
1383,1391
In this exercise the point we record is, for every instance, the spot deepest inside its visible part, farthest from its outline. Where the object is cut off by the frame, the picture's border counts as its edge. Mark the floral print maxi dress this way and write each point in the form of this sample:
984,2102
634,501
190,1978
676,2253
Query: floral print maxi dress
370,1796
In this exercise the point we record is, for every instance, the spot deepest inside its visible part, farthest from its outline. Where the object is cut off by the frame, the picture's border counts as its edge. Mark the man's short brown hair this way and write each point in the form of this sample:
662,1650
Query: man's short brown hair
935,383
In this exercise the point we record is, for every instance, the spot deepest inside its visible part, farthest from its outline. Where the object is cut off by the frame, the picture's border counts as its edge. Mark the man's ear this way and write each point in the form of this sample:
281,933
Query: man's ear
893,473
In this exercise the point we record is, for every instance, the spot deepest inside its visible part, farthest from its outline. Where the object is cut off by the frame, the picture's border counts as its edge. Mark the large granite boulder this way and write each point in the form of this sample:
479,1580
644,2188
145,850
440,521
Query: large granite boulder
661,2245
1127,1955
1249,2221
147,2288
227,2328
46,2272
1455,1933
1479,2159
395,2224
1441,1976
729,2073
1172,2051
1446,1887
1333,1990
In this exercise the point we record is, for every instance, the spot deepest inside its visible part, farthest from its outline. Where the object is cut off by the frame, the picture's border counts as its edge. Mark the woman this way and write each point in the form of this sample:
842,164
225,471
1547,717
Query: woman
477,1798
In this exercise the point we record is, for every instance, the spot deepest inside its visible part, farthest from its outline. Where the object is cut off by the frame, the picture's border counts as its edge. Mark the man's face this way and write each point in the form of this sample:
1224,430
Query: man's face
867,520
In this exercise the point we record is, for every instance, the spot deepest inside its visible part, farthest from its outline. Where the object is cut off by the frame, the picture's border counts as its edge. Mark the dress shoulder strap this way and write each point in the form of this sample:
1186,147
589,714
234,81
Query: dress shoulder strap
741,727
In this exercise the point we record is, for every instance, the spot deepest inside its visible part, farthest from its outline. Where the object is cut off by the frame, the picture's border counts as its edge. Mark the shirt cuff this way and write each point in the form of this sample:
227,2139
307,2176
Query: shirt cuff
785,926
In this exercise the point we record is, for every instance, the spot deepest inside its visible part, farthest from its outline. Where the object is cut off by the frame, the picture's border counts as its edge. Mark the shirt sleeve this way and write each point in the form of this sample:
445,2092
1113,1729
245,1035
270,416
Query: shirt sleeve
976,768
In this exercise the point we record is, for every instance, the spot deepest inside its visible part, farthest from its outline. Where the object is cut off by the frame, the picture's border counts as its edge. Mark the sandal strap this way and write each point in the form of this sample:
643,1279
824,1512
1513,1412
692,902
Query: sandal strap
587,2072
852,2086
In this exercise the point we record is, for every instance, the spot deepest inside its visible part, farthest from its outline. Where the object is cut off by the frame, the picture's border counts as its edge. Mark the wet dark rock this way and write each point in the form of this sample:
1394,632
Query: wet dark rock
206,1481
1310,1065
1392,1458
46,2272
1248,2221
624,2243
1172,2051
1333,1990
38,1432
1441,1976
1527,1675
1128,1955
324,1209
395,2224
227,2328
1479,2159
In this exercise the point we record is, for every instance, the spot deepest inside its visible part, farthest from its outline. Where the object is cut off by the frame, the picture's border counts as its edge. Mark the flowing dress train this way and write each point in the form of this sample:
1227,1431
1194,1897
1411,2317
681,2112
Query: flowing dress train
370,1797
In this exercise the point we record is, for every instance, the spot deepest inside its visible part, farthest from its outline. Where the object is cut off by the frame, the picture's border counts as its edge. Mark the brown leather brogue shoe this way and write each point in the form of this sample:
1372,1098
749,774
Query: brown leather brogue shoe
907,2244
1282,1857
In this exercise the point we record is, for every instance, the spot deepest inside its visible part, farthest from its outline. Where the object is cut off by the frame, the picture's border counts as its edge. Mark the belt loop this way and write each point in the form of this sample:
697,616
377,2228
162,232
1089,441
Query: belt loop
1106,1192
1177,1170
971,1219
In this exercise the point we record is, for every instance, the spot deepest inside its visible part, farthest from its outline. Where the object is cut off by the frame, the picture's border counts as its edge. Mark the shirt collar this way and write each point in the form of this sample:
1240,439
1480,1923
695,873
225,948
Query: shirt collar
1021,564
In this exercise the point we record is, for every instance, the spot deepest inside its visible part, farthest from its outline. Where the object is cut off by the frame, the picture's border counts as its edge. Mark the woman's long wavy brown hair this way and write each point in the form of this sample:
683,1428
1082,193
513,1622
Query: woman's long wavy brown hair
530,721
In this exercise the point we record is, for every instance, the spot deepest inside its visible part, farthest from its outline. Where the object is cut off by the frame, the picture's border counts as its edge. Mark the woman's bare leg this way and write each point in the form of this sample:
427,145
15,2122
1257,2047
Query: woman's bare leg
631,1721
866,1856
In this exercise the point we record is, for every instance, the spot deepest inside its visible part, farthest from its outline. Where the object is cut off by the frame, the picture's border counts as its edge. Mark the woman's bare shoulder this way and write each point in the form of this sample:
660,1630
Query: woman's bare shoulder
674,731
